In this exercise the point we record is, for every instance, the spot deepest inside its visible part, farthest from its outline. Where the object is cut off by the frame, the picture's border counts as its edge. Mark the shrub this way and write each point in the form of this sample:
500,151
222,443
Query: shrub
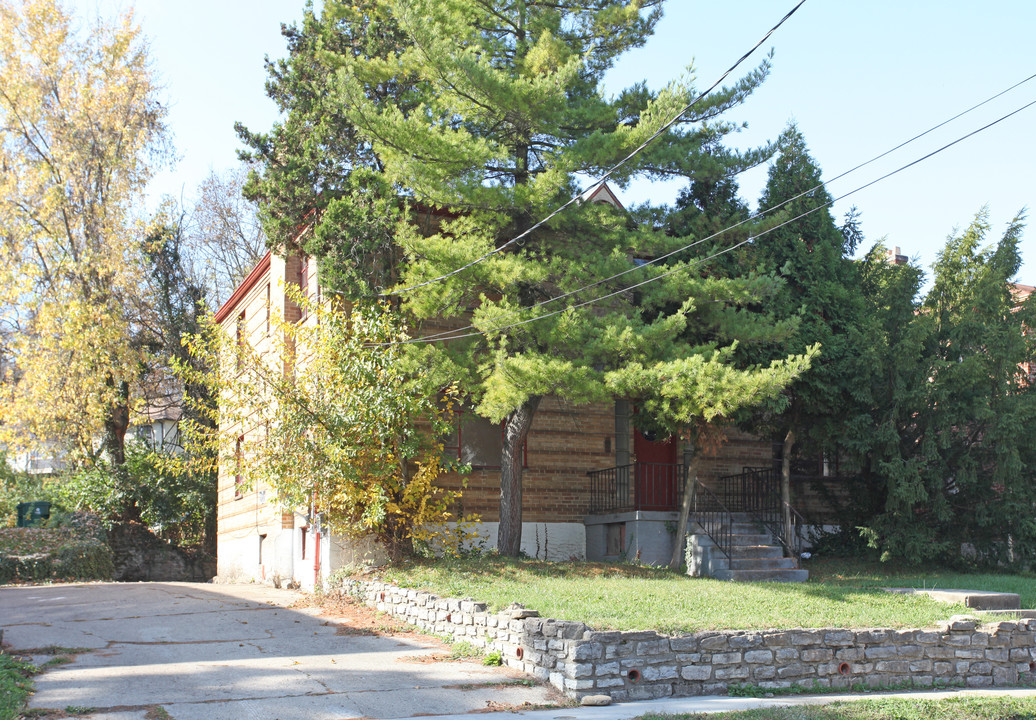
30,568
84,560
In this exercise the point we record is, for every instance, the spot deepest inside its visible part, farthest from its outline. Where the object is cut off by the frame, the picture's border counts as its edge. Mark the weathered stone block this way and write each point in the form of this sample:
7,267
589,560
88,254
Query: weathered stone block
1020,655
578,670
849,654
764,672
586,651
879,652
759,656
839,638
871,637
746,641
817,655
981,668
696,672
957,640
943,668
1005,675
998,654
571,630
652,647
926,637
978,681
649,692
921,666
970,654
786,654
939,652
685,643
776,639
792,671
730,658
892,666
688,658
732,672
655,673
801,637
607,669
714,642
572,684
910,651
610,682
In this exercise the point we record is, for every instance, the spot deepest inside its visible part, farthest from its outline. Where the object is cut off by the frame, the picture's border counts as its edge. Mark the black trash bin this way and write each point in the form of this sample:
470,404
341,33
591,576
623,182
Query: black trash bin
31,513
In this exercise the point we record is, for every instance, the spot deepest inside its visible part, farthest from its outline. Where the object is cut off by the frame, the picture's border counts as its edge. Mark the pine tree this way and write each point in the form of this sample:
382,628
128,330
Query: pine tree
822,290
961,471
507,114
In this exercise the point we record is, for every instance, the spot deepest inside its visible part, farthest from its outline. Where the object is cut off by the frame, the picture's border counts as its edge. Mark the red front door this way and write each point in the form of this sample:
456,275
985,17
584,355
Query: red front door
657,481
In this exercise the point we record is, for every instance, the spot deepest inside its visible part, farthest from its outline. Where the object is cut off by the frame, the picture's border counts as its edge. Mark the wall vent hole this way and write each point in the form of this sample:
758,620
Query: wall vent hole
634,675
844,669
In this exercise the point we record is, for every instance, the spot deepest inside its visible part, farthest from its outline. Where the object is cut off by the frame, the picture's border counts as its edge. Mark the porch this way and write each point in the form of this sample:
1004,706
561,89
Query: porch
737,523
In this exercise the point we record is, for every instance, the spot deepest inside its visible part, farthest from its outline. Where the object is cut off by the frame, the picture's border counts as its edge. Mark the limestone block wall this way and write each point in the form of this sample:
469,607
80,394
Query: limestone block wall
642,665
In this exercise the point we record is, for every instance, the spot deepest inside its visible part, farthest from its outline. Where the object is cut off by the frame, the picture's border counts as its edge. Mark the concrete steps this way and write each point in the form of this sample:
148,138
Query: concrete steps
755,556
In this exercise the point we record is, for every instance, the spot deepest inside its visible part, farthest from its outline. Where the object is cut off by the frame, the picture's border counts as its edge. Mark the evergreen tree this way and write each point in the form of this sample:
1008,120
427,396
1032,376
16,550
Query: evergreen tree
822,290
503,112
960,473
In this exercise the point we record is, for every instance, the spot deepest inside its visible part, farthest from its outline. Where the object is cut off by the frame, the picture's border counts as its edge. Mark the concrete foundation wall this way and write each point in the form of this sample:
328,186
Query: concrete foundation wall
541,540
644,537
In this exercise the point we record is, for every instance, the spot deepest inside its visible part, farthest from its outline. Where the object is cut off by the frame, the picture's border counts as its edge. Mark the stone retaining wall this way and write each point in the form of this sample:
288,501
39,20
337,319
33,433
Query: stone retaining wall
642,665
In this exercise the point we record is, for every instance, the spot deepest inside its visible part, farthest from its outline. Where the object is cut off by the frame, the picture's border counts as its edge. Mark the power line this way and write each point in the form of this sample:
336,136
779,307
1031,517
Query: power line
732,247
658,133
448,334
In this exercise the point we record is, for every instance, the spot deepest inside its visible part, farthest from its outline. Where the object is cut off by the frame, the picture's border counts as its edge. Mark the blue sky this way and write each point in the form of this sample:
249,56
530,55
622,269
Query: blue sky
857,77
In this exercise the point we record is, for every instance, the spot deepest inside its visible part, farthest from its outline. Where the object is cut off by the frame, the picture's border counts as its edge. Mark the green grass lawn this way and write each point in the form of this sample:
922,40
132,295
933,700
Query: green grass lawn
15,685
843,573
628,597
985,708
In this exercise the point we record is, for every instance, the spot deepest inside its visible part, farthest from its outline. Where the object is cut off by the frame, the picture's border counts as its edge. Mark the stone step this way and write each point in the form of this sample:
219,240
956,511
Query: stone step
756,551
752,563
756,538
762,575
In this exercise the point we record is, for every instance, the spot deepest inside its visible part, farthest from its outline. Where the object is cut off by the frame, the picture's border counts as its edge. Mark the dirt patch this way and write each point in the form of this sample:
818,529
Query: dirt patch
354,618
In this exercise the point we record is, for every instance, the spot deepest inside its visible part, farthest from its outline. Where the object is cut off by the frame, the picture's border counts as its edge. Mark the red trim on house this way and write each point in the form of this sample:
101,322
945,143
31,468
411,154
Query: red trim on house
261,268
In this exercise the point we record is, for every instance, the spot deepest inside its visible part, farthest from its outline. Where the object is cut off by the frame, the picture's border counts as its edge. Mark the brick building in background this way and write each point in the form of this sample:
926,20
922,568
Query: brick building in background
594,487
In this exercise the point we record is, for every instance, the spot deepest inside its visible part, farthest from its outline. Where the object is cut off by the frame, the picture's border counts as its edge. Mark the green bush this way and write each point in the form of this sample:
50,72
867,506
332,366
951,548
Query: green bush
84,560
179,507
28,568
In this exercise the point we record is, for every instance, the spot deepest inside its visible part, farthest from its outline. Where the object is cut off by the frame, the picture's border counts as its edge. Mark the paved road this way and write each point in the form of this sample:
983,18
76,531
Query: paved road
209,652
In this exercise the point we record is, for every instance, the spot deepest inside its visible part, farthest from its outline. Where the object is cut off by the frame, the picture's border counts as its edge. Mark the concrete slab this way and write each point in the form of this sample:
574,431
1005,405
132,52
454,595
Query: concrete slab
229,651
974,599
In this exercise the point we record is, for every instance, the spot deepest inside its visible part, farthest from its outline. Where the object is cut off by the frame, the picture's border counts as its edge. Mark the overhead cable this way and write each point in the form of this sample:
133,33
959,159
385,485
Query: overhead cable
725,250
658,133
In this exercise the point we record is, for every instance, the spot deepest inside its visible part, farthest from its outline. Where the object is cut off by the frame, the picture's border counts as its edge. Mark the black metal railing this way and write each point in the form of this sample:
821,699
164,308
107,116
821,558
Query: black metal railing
637,486
756,491
710,514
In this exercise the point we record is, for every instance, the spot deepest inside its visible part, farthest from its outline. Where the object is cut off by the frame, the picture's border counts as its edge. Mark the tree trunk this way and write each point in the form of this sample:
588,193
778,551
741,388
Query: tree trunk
690,463
512,458
789,444
116,424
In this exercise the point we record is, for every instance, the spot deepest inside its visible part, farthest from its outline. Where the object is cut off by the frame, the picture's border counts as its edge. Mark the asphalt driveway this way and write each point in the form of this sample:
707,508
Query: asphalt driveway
208,652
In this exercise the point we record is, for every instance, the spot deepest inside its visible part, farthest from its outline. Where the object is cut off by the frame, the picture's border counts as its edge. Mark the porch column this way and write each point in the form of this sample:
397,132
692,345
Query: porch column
622,432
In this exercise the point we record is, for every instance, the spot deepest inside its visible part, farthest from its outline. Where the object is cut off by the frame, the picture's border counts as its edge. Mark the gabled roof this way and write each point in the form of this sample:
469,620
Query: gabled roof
601,193
260,269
